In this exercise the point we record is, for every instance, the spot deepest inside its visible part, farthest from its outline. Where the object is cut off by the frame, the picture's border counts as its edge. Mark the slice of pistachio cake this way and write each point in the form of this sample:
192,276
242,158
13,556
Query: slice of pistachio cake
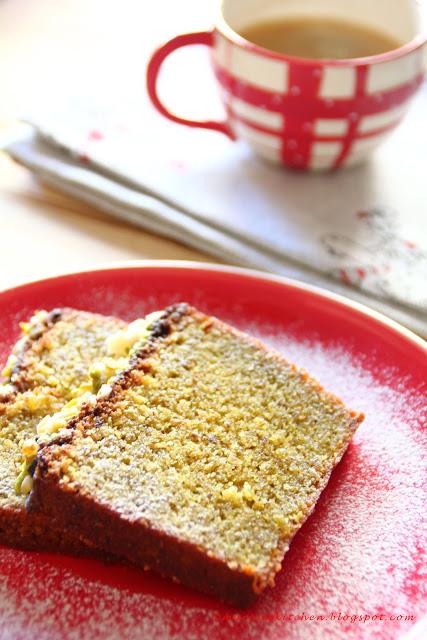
48,367
201,460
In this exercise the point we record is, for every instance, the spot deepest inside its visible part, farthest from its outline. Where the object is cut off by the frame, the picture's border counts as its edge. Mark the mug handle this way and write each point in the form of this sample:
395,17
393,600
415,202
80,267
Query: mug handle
154,65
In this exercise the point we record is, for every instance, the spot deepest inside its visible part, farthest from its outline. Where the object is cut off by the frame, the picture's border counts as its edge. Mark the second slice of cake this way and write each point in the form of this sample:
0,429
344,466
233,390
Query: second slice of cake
201,460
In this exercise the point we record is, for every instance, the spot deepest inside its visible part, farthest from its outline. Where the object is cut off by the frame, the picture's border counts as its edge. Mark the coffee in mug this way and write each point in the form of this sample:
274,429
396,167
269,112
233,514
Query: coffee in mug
317,38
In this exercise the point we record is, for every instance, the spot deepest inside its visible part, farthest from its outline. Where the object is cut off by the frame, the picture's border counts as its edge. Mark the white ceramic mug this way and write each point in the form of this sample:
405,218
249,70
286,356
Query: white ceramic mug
308,114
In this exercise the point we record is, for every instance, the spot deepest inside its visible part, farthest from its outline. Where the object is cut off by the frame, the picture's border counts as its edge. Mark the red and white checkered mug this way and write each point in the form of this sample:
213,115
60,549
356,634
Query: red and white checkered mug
308,114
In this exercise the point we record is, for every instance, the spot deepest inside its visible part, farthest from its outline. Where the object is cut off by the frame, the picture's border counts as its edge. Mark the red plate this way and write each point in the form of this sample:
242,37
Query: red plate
357,568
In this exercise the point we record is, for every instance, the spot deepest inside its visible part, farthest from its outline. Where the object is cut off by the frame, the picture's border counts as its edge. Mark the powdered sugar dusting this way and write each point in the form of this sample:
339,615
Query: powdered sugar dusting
40,600
366,536
359,553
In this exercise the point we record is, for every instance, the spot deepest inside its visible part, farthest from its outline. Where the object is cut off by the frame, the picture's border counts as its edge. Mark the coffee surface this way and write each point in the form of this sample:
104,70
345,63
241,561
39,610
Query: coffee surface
319,38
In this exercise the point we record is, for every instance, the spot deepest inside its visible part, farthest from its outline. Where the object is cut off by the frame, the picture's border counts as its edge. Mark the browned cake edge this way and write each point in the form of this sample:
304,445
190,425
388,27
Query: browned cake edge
38,532
139,542
19,528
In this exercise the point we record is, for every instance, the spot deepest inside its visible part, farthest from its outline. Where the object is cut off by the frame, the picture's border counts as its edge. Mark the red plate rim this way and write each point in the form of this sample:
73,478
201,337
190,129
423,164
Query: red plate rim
359,308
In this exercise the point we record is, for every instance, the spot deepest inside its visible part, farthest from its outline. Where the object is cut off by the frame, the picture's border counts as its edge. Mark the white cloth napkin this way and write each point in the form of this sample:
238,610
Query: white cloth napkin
361,232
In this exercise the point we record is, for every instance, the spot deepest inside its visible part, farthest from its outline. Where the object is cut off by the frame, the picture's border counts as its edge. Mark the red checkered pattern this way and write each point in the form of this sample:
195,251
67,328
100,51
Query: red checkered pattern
311,115
305,114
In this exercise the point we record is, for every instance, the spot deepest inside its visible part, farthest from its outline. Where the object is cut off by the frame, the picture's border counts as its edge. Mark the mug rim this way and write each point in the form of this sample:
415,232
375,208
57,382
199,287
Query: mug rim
228,32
